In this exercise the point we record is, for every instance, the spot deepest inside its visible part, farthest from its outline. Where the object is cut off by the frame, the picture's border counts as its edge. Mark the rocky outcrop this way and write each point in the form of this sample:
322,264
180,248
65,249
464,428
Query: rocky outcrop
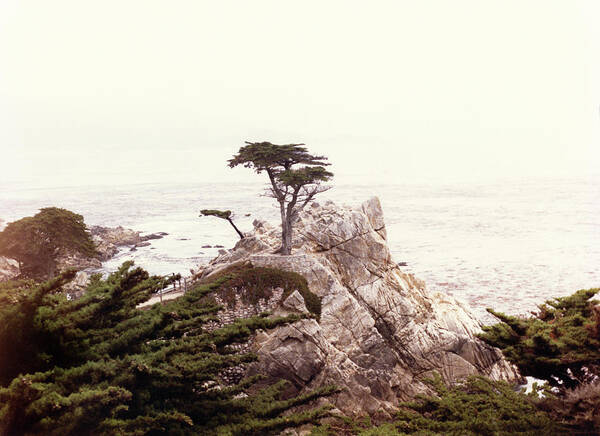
9,269
109,239
380,331
76,260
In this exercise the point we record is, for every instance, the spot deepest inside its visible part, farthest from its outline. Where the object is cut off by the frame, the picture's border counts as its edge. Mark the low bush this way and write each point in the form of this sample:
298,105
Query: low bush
255,283
98,365
477,406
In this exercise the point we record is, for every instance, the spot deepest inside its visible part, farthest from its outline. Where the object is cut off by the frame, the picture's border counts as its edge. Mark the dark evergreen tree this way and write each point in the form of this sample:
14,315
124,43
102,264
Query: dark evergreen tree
293,188
37,241
475,407
224,215
98,365
560,344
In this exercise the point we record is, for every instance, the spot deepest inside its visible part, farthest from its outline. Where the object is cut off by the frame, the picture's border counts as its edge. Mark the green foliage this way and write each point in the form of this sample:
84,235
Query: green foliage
262,156
223,214
477,406
36,242
560,344
255,283
303,176
99,365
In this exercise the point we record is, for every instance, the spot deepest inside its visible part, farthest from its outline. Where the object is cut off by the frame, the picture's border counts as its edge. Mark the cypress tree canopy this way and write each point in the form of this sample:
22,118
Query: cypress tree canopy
36,242
560,344
99,365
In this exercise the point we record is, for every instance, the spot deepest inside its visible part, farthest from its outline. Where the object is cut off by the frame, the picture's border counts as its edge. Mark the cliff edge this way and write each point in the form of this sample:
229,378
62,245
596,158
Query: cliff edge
380,330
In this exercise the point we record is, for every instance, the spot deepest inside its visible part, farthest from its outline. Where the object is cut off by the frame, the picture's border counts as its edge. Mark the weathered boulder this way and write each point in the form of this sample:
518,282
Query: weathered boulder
76,287
9,269
380,331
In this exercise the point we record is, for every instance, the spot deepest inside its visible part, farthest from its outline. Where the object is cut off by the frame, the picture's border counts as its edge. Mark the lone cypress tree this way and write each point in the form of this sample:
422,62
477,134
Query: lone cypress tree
98,365
293,188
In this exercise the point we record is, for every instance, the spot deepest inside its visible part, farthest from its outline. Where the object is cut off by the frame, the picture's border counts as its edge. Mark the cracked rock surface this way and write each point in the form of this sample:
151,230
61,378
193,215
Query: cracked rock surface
380,332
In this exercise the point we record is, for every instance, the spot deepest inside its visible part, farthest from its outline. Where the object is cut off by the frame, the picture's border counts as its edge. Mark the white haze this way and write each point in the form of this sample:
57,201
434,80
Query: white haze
117,92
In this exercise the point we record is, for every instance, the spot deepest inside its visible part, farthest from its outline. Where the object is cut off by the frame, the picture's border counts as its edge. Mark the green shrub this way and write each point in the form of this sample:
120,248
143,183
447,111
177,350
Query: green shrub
36,242
560,344
477,406
255,283
98,365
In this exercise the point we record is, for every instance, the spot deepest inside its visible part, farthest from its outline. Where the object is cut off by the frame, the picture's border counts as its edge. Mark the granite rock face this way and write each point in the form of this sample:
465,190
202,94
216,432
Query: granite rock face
380,330
9,269
76,287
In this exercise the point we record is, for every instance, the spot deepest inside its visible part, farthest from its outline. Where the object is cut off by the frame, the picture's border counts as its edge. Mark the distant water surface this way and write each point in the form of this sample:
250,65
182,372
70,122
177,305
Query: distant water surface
504,245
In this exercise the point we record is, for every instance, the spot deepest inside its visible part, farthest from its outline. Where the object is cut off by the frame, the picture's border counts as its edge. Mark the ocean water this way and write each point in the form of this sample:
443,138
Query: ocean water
508,245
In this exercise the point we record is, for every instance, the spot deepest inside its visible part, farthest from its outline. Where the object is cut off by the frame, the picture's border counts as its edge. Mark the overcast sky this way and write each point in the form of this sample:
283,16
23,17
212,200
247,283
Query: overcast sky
143,91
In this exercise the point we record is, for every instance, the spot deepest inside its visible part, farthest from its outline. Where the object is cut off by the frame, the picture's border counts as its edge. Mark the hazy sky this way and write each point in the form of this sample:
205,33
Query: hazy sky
141,91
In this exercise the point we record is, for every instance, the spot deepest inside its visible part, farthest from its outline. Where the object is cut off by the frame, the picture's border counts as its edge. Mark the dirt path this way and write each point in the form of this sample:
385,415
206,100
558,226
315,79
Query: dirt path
165,297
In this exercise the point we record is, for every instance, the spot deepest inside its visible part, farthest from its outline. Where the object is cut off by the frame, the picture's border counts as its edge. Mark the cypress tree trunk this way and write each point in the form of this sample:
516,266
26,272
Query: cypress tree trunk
236,229
286,246
286,231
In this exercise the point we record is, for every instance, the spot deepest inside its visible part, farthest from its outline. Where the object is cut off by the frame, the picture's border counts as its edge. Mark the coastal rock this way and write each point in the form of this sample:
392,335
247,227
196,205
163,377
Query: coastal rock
380,331
76,287
9,269
151,236
295,303
76,260
109,239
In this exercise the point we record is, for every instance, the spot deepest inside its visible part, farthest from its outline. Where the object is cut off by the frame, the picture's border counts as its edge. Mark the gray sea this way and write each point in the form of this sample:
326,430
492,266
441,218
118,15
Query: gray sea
506,245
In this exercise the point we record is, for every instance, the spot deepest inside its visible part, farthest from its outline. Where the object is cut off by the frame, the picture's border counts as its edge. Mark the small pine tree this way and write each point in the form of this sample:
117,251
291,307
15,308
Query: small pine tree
98,365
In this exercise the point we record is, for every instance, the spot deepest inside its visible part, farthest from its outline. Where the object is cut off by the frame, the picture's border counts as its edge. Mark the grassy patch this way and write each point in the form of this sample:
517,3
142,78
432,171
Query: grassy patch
253,284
